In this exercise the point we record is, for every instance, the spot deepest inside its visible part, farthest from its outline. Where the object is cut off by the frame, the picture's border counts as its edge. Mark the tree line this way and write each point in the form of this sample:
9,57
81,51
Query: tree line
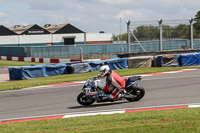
180,31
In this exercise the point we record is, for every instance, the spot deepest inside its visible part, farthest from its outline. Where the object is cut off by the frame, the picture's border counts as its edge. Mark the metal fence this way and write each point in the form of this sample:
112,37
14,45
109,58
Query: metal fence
106,50
95,51
88,51
164,31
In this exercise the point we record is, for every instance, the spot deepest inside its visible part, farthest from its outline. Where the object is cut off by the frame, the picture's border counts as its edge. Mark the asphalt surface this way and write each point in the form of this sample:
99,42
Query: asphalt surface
167,89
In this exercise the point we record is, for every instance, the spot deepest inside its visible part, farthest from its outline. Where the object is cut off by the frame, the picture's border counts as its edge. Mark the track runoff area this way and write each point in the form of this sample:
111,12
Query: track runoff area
104,112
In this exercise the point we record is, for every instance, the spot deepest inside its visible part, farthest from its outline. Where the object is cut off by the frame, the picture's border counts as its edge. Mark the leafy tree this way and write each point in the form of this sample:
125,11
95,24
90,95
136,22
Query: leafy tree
185,32
146,32
181,31
121,37
197,16
167,31
197,25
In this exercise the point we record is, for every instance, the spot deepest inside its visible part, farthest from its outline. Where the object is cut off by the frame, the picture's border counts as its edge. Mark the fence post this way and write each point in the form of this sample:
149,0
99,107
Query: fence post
37,53
31,55
160,29
81,54
42,51
85,41
48,51
191,33
129,38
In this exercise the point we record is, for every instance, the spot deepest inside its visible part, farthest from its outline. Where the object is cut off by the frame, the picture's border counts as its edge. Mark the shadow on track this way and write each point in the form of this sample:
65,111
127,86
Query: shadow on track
98,105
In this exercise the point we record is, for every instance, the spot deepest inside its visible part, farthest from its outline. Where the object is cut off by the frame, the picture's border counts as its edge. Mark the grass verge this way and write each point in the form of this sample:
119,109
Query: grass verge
13,85
16,63
165,121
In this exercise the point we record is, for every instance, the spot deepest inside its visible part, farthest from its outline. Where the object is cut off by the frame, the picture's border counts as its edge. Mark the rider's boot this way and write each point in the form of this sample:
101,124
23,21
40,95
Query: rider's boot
121,95
118,96
110,98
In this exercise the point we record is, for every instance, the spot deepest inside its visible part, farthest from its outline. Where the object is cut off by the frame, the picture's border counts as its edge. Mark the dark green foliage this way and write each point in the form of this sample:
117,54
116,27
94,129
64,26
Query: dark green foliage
171,31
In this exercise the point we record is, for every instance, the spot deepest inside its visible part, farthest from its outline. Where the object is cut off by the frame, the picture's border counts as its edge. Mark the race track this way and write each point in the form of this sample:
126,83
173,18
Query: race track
166,89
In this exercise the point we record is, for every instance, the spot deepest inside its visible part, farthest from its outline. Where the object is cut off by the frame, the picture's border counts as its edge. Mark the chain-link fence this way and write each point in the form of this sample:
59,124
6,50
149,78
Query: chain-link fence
88,51
164,34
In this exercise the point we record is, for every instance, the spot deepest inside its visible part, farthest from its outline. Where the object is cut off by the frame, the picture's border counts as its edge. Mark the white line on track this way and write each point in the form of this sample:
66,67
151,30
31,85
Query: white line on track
95,113
173,77
102,112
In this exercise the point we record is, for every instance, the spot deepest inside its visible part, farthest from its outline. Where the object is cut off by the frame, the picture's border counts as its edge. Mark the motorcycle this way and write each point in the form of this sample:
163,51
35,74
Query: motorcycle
92,91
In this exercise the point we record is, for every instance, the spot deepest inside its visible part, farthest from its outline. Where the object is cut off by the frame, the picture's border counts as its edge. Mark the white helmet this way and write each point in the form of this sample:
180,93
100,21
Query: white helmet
105,69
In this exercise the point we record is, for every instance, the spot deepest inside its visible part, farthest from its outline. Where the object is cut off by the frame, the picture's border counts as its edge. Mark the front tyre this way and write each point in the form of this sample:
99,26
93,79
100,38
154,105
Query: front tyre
85,100
137,93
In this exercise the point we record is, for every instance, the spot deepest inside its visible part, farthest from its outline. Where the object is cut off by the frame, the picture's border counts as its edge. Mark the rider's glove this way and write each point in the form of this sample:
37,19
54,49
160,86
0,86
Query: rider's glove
99,76
140,77
95,77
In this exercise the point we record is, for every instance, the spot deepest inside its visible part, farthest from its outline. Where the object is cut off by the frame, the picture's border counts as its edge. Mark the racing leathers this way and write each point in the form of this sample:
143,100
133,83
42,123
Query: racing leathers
115,84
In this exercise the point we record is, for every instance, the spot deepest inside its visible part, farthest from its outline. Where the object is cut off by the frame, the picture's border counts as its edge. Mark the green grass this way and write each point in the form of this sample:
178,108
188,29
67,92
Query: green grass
16,63
157,121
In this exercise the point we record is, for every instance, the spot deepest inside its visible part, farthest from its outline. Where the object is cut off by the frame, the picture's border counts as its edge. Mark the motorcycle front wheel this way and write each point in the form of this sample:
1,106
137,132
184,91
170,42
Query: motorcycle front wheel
85,100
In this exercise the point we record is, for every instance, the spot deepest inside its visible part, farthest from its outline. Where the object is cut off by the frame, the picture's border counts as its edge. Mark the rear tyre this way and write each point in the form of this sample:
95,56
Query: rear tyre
137,93
85,100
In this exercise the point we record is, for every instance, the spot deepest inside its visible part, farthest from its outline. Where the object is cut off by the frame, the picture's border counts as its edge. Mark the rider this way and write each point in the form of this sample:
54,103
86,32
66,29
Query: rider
114,82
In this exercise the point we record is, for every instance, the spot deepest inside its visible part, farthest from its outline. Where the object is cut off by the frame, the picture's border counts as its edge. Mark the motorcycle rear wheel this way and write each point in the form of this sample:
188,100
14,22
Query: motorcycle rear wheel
84,100
138,93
